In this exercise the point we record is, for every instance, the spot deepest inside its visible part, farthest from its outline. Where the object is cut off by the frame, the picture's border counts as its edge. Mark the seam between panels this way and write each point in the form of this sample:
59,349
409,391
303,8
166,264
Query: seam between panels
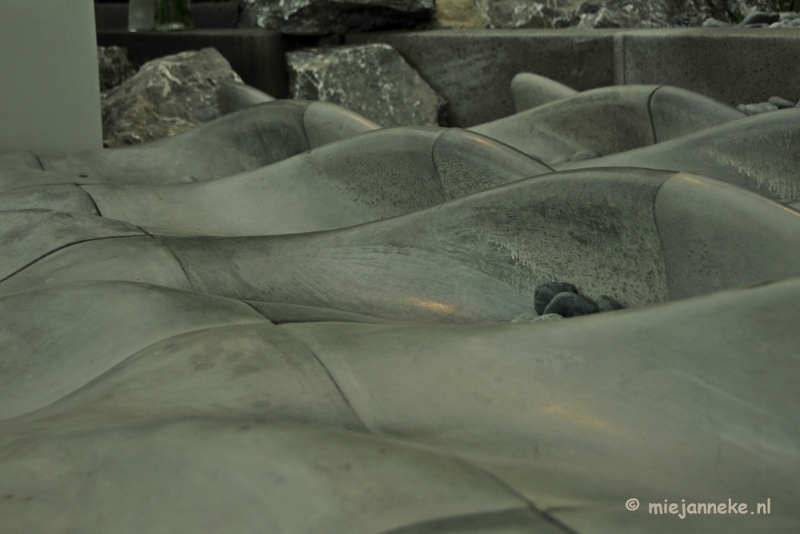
38,160
508,487
650,113
293,339
658,233
62,247
180,263
94,202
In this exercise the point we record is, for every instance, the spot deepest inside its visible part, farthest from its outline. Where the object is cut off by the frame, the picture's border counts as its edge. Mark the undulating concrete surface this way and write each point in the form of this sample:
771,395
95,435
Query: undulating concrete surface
254,326
757,153
607,121
251,138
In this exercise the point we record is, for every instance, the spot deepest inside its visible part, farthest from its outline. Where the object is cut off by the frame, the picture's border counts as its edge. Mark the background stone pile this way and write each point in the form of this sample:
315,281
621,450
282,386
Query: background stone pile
320,17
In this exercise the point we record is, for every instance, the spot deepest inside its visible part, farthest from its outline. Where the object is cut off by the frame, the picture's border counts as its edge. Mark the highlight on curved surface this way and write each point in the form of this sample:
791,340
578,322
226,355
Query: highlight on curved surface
607,121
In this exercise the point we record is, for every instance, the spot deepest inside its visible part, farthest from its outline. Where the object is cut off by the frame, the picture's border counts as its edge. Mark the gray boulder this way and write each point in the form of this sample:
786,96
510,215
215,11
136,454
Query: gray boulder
167,96
321,17
114,66
372,80
596,13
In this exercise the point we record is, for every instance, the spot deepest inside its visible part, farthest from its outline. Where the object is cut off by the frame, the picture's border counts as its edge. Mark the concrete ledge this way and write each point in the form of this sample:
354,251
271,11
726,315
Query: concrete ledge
205,15
733,66
472,69
259,56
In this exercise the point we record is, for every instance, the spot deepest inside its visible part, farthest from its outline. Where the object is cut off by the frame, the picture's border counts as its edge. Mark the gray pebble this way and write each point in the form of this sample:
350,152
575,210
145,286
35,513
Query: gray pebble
606,303
547,317
544,293
714,23
755,109
780,103
586,154
760,17
570,305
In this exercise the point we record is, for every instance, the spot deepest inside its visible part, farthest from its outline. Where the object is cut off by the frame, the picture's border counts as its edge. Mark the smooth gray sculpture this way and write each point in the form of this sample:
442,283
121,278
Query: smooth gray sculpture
251,138
125,405
758,153
531,90
639,236
234,96
607,121
373,176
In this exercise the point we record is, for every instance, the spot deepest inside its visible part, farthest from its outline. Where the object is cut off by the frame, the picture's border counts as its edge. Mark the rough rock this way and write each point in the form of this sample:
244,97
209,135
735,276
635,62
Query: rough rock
167,96
321,17
114,66
510,14
569,304
544,293
372,80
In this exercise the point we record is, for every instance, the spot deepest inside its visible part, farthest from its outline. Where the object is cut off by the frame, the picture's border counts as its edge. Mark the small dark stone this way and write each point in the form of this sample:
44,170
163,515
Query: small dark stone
780,103
761,17
570,305
544,293
606,303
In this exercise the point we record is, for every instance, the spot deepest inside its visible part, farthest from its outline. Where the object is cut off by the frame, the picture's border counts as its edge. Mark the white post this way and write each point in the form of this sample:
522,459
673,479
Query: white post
49,83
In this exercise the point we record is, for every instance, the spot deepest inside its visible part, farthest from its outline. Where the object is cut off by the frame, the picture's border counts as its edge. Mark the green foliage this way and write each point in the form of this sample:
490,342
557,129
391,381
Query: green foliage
735,16
169,12
782,5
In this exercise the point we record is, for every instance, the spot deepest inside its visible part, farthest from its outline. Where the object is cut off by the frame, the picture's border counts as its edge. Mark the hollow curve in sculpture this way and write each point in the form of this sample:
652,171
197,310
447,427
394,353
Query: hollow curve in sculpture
253,137
620,232
607,121
556,418
758,153
374,176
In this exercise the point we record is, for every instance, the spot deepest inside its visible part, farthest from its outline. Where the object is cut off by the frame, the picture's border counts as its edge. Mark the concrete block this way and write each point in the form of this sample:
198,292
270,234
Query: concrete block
473,69
258,56
733,66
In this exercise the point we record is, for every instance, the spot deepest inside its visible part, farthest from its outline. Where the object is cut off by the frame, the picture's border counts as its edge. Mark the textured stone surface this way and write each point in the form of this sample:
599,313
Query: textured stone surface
114,66
320,17
167,96
372,80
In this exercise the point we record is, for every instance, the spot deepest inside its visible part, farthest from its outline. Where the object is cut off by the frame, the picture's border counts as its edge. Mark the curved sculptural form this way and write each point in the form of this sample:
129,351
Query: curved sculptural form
234,96
380,174
607,121
251,138
532,90
120,393
642,236
757,153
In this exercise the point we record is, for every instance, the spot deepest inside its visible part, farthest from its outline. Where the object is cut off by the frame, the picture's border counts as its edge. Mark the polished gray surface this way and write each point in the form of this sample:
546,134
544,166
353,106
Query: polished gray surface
248,139
608,120
758,153
380,174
